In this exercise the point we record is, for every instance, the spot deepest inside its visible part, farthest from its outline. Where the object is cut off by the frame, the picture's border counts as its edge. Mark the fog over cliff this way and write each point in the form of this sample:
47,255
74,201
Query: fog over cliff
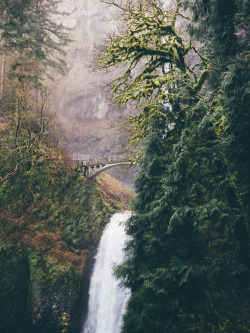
79,98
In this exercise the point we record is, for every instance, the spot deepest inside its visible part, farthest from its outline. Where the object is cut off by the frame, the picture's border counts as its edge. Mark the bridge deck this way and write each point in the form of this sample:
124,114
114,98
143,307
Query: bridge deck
100,162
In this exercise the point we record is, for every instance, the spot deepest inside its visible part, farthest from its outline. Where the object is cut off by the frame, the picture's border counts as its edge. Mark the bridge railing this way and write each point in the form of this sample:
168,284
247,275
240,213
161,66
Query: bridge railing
84,160
80,157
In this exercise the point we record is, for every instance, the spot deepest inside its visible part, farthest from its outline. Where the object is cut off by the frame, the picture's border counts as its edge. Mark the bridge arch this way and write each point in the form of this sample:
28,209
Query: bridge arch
93,167
106,167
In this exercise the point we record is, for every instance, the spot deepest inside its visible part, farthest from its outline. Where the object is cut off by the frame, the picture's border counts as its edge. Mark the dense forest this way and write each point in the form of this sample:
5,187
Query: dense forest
51,216
186,70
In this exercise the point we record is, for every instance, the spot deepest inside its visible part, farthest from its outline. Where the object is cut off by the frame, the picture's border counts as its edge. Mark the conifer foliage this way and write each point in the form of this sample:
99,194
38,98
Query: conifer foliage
42,251
188,258
32,41
31,36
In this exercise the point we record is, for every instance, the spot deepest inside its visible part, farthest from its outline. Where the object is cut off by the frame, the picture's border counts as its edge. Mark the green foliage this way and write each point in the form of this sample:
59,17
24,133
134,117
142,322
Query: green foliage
51,219
187,264
188,258
226,37
153,53
32,41
32,37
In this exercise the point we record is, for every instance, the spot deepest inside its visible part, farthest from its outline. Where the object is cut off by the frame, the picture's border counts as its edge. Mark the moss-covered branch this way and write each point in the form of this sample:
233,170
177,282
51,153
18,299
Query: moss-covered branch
154,55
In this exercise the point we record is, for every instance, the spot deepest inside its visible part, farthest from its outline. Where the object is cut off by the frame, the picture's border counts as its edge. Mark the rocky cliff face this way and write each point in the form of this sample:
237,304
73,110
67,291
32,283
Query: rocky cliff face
78,99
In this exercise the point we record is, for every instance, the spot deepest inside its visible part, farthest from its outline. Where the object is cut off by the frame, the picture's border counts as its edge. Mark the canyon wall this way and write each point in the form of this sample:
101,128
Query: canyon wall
79,99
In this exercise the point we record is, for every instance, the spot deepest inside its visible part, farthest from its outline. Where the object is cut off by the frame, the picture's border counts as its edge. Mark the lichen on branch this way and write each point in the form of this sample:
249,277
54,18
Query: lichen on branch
153,54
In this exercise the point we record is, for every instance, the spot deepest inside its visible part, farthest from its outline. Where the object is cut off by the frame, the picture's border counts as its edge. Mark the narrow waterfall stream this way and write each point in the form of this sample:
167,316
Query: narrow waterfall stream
107,300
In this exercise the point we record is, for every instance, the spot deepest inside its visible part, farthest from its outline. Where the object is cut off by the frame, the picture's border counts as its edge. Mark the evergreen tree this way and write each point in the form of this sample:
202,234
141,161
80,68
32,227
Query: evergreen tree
187,263
33,42
32,37
223,29
226,42
186,243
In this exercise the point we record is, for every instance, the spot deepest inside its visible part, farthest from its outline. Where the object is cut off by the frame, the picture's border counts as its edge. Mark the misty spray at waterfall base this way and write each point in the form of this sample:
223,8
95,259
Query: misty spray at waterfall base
107,299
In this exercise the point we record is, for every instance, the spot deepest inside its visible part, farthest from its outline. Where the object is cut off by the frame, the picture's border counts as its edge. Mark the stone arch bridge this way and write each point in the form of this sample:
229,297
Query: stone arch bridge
93,167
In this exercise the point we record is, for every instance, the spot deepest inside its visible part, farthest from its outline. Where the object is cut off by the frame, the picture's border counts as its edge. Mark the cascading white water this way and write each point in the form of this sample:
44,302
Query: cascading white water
107,299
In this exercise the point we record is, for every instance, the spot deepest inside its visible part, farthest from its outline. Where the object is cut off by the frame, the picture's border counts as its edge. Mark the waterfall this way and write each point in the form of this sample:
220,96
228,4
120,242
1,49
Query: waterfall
107,299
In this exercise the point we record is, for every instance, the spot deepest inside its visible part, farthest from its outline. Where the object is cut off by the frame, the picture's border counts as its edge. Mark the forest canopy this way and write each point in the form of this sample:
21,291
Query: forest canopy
186,69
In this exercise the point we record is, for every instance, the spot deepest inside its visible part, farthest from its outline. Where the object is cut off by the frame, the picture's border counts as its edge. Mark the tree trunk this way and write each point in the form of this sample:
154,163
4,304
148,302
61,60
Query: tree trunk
2,76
